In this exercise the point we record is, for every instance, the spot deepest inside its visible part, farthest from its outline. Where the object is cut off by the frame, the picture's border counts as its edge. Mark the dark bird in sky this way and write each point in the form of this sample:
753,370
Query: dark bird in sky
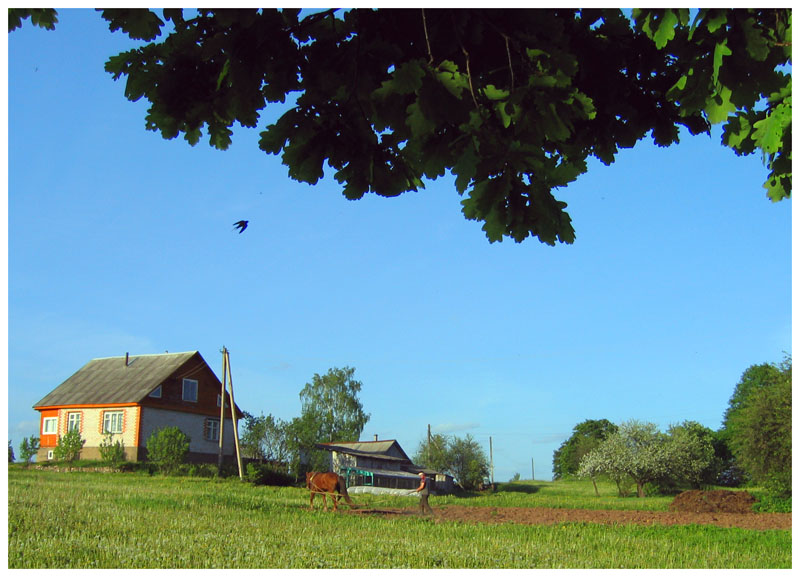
241,225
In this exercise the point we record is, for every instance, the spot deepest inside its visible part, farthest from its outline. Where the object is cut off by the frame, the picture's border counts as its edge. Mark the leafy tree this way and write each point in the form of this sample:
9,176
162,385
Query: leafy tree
693,456
510,102
10,452
265,439
68,446
754,377
585,437
464,459
331,411
167,448
28,449
760,430
112,452
469,465
434,453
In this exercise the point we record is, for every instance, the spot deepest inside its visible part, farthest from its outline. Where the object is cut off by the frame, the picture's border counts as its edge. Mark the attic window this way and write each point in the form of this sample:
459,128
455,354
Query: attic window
156,393
190,390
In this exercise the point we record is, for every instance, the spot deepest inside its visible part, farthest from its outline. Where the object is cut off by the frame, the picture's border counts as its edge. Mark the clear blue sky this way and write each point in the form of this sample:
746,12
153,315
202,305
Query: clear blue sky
120,241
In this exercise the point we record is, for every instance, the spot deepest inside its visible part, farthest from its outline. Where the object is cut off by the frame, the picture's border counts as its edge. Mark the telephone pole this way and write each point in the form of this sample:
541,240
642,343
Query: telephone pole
227,378
491,462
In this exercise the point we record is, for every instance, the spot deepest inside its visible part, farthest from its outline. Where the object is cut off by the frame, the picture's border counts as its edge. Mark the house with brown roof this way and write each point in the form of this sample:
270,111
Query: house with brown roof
381,466
130,397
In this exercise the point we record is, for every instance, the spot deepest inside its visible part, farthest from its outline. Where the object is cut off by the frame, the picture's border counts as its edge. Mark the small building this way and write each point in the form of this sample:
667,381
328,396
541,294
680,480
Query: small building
381,465
130,397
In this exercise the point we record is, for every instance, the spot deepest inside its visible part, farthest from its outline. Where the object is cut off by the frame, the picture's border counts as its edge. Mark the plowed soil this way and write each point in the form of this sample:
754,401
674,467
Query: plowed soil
718,508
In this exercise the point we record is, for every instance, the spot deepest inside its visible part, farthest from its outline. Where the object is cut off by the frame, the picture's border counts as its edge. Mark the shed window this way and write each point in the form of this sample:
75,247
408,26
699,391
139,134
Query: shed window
112,421
50,426
190,390
156,393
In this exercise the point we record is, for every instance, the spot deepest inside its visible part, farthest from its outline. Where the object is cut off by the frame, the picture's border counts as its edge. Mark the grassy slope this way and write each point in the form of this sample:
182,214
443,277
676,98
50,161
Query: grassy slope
77,520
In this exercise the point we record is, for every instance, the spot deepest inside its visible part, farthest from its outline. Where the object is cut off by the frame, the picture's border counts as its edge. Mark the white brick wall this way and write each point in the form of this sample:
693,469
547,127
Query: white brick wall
92,425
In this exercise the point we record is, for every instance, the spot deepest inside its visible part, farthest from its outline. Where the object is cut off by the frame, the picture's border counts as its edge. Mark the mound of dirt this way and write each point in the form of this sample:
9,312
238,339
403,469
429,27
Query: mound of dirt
719,501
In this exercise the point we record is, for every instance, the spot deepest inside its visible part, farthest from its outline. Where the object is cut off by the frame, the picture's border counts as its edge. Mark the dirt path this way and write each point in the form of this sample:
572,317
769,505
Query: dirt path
542,516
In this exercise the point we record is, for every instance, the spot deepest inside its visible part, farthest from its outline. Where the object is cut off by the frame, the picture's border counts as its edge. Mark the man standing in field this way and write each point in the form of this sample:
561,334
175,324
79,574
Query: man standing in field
424,491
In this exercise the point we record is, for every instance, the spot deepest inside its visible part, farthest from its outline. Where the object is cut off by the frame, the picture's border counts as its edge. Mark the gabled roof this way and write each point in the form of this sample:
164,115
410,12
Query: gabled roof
375,449
113,381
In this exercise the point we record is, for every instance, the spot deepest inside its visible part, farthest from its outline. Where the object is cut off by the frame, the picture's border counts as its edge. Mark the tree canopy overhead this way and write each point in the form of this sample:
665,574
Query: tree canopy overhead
511,102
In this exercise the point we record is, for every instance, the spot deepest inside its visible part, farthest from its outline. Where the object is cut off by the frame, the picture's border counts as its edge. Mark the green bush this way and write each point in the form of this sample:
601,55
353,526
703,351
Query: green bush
264,474
167,448
69,446
772,504
28,449
779,483
112,453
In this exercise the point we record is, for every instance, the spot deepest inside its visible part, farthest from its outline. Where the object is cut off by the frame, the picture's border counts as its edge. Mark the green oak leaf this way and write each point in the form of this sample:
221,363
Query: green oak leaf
719,107
138,23
666,29
768,132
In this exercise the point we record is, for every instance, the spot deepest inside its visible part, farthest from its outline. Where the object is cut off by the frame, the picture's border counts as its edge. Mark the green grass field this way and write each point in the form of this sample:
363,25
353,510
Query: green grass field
128,520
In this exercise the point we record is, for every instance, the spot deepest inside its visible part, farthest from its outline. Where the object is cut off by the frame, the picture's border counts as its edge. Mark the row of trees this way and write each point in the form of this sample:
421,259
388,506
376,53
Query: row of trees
752,446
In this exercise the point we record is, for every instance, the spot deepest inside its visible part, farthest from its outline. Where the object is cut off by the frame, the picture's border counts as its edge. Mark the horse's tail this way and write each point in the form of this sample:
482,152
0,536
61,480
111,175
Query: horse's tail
343,492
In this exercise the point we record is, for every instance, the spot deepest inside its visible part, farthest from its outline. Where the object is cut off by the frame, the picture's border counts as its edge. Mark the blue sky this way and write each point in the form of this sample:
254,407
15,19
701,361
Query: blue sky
120,241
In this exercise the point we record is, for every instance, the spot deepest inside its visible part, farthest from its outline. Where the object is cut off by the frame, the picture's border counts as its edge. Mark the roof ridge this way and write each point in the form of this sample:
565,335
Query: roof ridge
144,355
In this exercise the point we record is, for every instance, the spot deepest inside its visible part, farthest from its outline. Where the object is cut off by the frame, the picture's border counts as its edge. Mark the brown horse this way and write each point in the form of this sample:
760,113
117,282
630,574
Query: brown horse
327,484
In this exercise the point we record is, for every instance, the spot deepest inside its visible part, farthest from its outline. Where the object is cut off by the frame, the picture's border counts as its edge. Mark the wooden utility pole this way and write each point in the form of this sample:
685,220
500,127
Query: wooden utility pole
533,474
227,377
222,409
430,454
491,461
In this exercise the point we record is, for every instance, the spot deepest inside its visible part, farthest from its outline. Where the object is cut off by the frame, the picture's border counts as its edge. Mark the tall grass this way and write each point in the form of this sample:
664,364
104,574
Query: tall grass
86,520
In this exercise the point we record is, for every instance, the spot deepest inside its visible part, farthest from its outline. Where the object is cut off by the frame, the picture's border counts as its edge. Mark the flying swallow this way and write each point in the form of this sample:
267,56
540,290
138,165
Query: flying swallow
241,225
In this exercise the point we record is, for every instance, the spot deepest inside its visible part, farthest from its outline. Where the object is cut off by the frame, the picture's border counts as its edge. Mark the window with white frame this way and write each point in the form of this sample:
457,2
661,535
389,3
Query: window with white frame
211,430
50,426
190,390
112,421
156,393
74,422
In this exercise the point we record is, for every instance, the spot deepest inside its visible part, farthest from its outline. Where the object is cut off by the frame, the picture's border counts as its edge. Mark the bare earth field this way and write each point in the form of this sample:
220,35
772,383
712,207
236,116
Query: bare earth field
719,508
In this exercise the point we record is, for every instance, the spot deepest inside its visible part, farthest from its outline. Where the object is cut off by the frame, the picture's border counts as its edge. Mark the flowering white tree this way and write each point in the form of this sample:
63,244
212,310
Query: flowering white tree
605,460
637,450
